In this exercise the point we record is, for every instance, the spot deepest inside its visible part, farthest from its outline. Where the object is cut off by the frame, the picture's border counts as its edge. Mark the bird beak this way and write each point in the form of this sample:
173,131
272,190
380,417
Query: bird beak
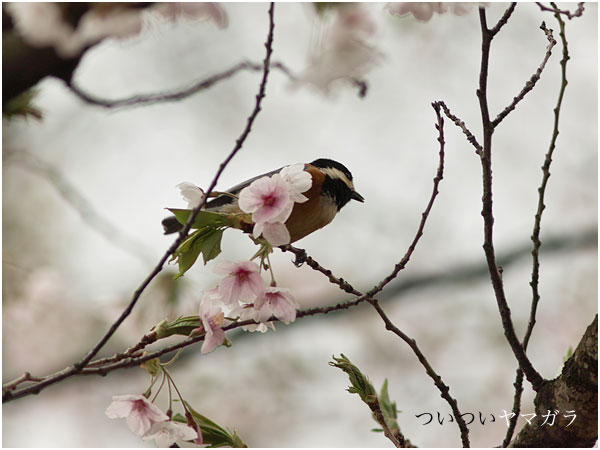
356,196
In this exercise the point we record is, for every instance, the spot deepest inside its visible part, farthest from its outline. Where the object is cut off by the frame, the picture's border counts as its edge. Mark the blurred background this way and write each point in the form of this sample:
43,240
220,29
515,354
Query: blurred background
84,192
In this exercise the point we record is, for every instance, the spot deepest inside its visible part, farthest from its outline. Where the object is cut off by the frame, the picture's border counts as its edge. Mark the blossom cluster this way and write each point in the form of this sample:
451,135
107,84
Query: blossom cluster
423,11
45,24
343,50
244,292
270,200
148,421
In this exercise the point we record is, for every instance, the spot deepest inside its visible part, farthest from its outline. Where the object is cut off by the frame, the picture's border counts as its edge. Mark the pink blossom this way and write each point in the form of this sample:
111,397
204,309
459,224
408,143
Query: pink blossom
249,312
191,194
242,283
141,414
279,303
44,24
344,52
212,318
276,233
298,181
193,10
268,199
423,11
167,433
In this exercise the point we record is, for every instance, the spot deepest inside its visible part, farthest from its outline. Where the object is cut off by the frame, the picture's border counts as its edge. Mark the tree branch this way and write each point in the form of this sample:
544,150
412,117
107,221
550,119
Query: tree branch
460,124
369,296
162,97
535,237
575,392
397,439
532,81
78,367
487,212
578,12
504,19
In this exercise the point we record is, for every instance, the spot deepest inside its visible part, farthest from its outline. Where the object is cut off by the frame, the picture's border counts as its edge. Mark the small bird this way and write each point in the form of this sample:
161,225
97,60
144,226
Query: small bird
331,189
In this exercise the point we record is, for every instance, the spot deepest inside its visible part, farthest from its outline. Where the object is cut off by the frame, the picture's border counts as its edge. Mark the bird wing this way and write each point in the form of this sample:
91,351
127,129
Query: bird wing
223,200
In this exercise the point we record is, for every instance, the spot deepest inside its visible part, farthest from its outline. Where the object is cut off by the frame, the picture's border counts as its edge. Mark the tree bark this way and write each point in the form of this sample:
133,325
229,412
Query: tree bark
574,392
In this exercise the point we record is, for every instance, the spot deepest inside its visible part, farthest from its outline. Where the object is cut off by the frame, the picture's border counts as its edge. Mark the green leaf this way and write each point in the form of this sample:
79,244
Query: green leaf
211,246
214,435
203,219
388,408
182,326
360,383
206,241
188,252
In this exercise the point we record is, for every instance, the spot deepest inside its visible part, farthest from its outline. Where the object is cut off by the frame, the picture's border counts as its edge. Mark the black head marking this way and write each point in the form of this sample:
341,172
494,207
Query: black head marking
334,186
338,190
323,163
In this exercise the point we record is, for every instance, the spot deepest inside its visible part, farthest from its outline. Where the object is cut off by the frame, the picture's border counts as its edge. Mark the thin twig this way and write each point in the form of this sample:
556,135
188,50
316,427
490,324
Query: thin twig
146,340
504,19
179,94
78,367
369,296
437,380
532,81
436,182
535,237
460,124
462,274
20,380
82,205
380,419
578,12
488,217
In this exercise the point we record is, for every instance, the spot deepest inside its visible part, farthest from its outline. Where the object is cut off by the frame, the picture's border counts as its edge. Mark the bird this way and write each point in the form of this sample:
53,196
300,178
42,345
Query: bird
332,188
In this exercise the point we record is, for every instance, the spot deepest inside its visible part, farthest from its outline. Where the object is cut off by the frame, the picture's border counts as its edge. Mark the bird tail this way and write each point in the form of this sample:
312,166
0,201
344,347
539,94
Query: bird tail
171,225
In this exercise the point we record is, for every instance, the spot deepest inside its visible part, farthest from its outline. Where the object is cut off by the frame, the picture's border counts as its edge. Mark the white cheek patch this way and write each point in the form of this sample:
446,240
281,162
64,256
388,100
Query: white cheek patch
329,210
335,173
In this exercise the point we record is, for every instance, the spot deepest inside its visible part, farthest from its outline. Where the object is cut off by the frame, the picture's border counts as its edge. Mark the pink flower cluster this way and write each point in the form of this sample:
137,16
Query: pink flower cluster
45,24
343,50
270,200
245,292
423,11
147,420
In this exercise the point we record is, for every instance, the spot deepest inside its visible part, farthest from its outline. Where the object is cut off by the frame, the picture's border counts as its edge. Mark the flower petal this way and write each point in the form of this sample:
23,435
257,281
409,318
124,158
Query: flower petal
276,233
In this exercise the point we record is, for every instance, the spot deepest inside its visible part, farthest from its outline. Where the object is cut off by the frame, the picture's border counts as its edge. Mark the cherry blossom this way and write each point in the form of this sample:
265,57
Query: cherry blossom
268,199
276,233
249,312
279,303
141,414
344,52
423,11
212,318
193,10
298,181
191,194
167,433
242,283
45,24
271,200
